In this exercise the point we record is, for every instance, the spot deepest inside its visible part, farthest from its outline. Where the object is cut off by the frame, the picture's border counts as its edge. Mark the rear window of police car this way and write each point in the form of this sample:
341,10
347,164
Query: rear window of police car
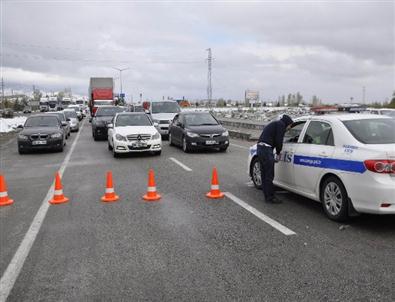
372,131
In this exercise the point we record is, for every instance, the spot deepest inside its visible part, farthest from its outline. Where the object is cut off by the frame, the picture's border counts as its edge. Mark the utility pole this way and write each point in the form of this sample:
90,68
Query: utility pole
209,87
120,76
363,94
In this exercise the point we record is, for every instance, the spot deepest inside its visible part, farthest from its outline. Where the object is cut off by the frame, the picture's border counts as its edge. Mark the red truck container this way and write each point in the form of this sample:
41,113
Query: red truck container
100,93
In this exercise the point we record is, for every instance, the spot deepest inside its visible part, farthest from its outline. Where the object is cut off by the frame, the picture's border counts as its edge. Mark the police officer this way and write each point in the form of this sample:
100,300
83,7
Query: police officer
271,138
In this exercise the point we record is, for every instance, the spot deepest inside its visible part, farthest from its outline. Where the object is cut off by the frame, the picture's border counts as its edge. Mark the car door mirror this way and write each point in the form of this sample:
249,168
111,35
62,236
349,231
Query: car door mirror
19,127
110,126
156,124
64,124
67,120
147,111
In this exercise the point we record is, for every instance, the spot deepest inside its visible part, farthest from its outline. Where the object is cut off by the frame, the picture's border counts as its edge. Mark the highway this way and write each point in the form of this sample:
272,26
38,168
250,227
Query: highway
184,247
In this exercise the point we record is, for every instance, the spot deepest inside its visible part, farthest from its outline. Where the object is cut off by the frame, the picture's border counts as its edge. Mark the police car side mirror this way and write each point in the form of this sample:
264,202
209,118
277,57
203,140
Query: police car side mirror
110,126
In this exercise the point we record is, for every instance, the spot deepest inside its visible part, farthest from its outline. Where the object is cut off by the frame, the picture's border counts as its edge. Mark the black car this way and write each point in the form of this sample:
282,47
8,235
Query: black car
102,117
198,130
42,131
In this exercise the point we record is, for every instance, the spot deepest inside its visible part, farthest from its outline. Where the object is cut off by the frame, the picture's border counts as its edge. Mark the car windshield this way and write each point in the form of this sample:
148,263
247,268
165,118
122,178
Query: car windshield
132,120
70,114
372,131
59,115
200,119
165,107
108,111
42,121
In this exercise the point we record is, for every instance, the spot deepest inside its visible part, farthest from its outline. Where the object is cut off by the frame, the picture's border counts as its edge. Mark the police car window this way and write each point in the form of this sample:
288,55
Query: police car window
318,133
372,131
292,135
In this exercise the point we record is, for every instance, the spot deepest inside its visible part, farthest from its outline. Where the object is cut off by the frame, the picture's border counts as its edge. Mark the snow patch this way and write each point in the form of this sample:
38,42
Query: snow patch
10,124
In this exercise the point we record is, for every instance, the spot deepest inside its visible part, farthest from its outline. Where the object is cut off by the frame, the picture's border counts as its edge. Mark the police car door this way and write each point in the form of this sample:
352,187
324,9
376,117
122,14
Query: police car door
313,152
283,170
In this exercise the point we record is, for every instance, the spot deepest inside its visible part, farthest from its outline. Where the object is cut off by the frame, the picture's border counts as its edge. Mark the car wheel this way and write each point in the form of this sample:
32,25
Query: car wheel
94,137
170,140
109,146
158,153
21,151
334,199
185,146
60,149
223,149
255,171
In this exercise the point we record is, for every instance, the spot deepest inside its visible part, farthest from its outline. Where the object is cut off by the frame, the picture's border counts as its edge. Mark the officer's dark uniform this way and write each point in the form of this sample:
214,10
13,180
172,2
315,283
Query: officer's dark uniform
272,137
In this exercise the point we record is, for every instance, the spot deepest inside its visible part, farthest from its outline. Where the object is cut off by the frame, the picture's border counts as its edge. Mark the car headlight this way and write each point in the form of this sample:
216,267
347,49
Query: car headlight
56,135
226,133
119,137
22,136
156,136
191,134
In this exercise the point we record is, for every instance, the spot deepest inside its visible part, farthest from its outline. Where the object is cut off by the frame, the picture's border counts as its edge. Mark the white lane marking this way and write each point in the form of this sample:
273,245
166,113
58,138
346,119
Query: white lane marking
260,215
186,168
240,146
15,266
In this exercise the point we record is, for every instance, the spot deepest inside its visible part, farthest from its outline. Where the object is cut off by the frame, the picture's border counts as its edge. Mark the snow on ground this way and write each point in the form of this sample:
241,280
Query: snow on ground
10,124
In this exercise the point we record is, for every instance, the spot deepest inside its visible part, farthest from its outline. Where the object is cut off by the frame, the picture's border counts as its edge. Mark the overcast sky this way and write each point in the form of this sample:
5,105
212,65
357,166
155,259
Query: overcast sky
326,48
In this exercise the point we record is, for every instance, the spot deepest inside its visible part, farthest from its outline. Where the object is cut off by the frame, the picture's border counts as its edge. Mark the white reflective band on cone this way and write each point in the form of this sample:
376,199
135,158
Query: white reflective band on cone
58,192
214,187
3,194
151,189
109,190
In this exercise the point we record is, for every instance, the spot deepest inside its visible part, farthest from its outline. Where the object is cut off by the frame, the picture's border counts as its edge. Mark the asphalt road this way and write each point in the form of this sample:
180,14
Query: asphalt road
184,247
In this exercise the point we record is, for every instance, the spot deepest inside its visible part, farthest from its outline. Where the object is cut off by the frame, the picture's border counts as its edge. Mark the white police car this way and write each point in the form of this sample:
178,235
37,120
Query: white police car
345,161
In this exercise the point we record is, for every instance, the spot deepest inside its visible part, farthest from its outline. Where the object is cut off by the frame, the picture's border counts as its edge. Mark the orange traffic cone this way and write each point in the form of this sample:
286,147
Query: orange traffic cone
109,195
58,196
215,193
4,199
151,195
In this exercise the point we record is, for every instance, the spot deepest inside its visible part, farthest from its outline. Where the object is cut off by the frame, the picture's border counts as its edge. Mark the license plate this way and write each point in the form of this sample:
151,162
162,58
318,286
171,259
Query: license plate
39,142
211,142
139,145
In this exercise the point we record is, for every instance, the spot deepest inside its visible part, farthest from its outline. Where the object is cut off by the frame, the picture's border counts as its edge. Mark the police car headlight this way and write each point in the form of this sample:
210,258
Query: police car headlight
226,133
56,135
191,134
156,136
121,138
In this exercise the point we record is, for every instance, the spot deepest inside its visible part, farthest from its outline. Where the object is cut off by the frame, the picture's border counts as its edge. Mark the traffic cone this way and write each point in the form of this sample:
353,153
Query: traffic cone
215,193
4,199
151,195
58,196
109,195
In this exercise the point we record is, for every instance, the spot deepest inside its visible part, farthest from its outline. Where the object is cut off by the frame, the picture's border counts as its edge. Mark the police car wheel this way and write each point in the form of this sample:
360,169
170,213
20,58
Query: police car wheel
256,173
334,199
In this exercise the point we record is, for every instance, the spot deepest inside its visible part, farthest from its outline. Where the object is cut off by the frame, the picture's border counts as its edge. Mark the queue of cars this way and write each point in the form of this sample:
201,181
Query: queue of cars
47,131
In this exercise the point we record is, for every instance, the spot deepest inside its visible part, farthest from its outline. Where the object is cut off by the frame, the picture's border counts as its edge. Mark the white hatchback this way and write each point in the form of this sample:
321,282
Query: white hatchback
346,162
133,132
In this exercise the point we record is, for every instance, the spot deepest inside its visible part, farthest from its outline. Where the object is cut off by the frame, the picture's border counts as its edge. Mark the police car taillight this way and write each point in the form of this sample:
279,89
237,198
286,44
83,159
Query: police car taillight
380,165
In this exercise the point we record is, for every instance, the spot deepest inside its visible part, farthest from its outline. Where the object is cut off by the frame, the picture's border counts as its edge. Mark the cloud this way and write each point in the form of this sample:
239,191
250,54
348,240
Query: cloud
324,48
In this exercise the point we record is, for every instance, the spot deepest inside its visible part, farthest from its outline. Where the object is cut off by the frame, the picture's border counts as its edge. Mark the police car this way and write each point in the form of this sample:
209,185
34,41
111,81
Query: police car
344,161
